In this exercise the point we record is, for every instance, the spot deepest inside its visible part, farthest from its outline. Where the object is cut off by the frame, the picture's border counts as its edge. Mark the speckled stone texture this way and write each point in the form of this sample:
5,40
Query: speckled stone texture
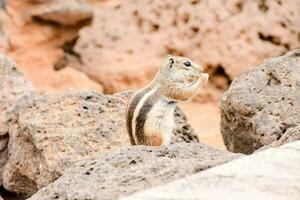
263,105
128,39
292,134
132,169
64,12
55,130
271,174
13,89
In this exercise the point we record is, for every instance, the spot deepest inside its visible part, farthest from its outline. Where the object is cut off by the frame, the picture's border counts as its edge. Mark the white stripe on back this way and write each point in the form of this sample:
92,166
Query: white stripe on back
137,111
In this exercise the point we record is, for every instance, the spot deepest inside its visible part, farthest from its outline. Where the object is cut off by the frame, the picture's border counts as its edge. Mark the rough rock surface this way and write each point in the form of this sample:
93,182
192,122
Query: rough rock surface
55,130
132,169
183,131
3,36
65,12
13,88
128,39
262,105
292,134
271,174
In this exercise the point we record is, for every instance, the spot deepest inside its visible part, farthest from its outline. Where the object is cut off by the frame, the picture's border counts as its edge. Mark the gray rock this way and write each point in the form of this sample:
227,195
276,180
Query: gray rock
3,3
13,89
271,174
65,12
292,134
4,43
55,130
262,105
183,131
132,169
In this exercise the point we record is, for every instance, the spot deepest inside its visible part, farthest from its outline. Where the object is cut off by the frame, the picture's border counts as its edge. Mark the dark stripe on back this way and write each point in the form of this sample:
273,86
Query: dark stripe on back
142,116
130,110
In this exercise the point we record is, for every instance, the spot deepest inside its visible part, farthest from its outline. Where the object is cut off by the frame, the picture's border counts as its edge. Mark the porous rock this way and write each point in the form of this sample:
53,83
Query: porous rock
292,134
183,132
55,130
129,170
128,39
64,12
13,89
263,105
272,174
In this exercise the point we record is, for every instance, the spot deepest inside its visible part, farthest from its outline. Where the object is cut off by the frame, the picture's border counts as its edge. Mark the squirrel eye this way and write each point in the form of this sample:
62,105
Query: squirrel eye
187,64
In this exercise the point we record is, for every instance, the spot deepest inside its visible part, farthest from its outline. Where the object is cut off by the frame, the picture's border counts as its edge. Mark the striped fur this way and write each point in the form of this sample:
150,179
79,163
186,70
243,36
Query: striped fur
149,118
141,116
149,114
131,107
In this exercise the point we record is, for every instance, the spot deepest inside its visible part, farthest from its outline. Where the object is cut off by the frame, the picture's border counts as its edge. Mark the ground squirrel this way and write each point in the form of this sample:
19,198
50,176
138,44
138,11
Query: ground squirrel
149,113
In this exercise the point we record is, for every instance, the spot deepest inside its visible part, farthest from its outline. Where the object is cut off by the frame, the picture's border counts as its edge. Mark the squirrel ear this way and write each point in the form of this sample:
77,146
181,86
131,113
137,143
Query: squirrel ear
171,62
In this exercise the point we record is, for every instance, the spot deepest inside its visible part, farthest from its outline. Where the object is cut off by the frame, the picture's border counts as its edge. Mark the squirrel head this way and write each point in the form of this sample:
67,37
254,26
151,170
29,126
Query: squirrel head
181,70
179,78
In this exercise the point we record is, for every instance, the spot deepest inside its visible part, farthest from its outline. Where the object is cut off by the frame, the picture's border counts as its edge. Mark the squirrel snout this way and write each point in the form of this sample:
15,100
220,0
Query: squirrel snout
202,75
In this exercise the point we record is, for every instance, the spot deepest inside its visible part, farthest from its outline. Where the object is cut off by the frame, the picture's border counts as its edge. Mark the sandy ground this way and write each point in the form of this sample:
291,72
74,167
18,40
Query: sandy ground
205,119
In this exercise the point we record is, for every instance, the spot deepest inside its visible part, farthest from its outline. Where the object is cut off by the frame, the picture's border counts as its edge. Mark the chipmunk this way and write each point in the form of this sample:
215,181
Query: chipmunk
149,113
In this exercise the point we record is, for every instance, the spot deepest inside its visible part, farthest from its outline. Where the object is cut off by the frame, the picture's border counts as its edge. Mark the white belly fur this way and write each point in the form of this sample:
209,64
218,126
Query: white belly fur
160,121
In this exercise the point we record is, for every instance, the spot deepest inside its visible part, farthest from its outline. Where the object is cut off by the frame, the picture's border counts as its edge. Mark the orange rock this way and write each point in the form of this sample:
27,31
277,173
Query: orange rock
127,39
36,47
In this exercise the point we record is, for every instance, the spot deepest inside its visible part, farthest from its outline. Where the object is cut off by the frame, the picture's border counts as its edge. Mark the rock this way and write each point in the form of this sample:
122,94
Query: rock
37,61
272,174
4,44
262,105
128,39
132,169
292,134
65,12
14,88
64,79
55,130
3,3
183,131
